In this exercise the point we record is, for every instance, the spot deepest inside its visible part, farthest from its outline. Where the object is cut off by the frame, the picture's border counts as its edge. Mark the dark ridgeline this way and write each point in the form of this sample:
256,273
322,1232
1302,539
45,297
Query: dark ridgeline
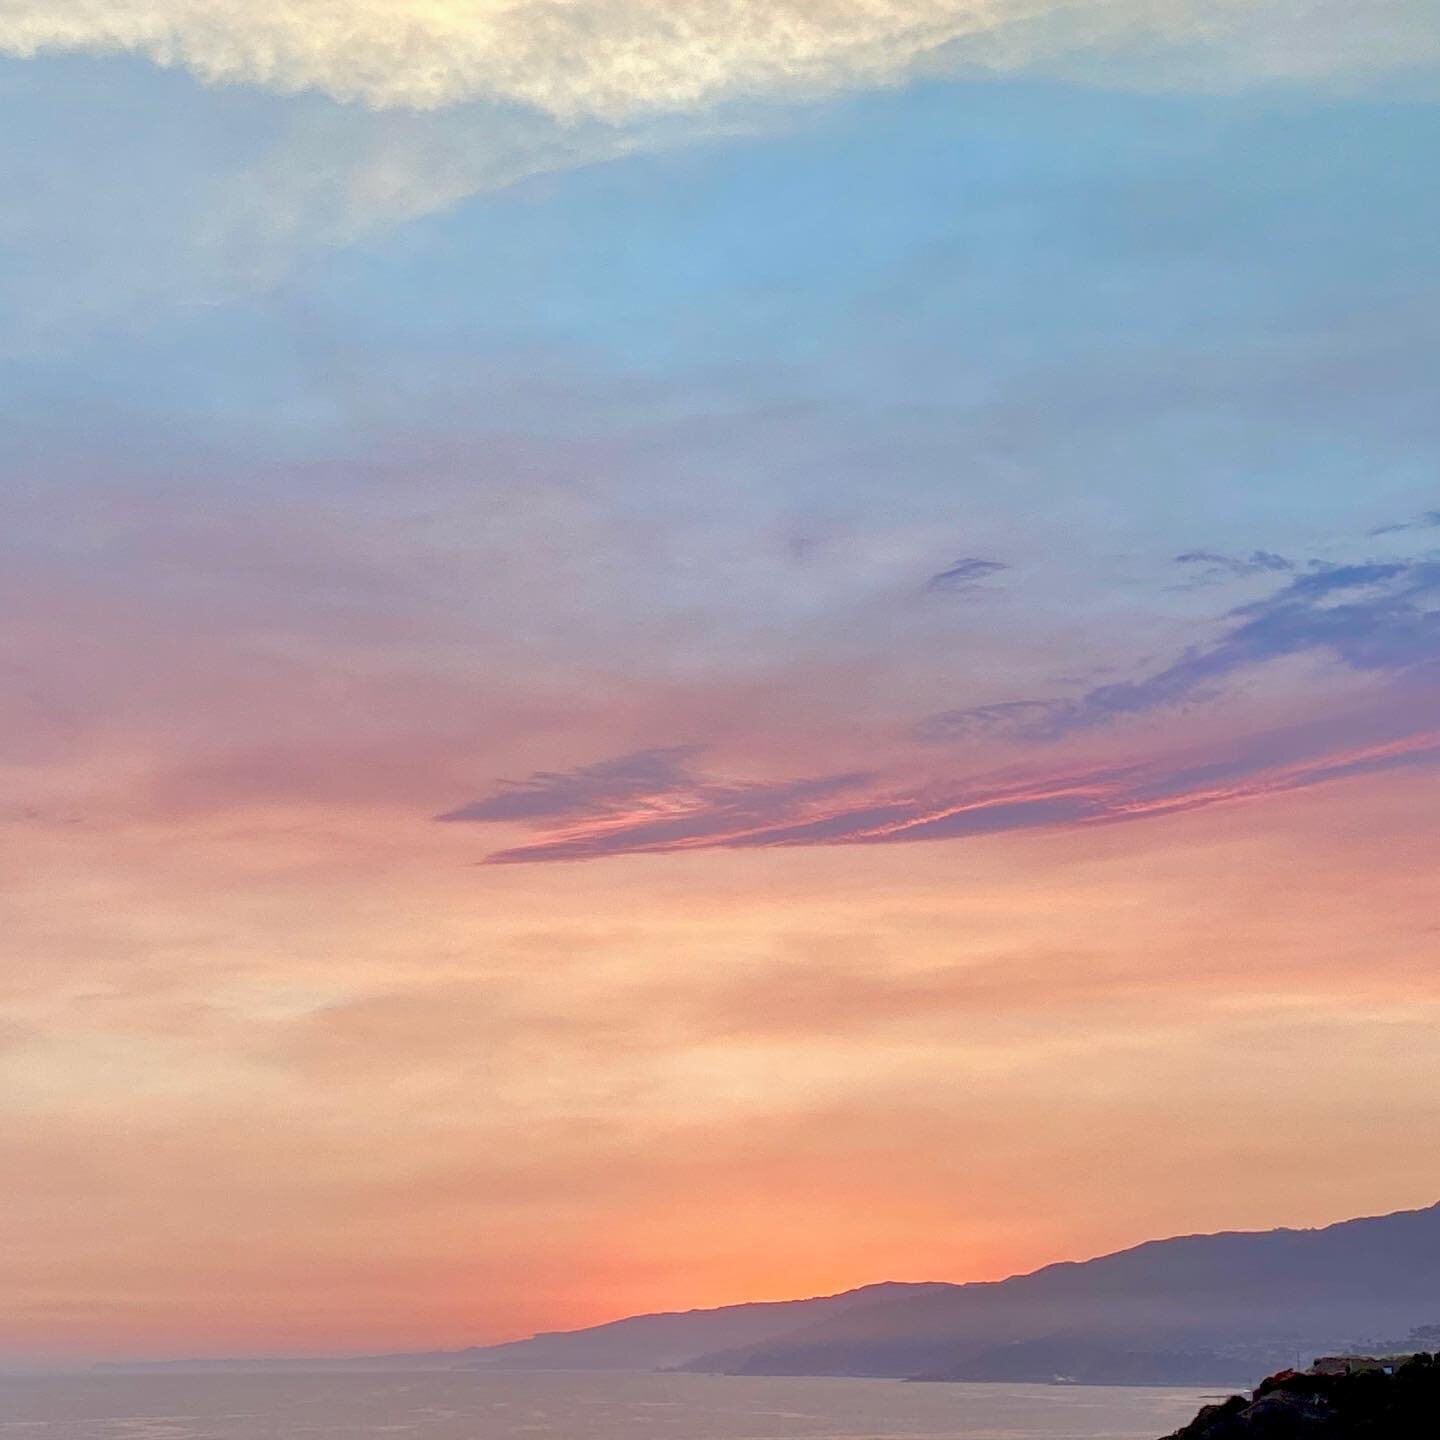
668,1341
1366,1404
1207,1309
1210,1310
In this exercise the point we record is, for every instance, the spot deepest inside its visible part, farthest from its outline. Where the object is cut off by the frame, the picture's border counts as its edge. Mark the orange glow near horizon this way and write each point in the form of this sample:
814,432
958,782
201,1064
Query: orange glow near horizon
412,1127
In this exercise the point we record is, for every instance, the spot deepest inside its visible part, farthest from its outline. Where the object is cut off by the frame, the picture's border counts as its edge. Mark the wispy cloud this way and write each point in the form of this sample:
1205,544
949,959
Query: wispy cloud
204,198
965,575
1378,616
792,814
1209,566
653,797
637,780
1375,617
1430,520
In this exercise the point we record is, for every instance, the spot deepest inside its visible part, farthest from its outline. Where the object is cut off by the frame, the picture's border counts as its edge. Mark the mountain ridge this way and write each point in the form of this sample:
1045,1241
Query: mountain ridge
1202,1308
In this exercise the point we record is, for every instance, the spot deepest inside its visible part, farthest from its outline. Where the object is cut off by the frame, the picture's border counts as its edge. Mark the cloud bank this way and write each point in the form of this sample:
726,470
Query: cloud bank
619,58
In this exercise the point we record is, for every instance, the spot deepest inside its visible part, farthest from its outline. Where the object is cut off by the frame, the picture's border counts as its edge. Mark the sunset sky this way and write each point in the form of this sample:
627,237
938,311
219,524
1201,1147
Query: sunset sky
663,652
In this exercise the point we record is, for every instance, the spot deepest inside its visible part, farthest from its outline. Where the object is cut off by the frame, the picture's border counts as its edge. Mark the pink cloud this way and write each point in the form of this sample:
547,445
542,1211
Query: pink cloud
856,810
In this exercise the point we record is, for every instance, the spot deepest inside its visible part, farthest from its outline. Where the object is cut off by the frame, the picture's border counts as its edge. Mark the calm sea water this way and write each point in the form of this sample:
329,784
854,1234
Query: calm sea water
459,1406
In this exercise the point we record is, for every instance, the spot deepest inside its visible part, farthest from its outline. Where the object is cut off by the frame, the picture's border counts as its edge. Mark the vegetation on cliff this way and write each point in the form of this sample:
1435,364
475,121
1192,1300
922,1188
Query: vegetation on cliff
1369,1405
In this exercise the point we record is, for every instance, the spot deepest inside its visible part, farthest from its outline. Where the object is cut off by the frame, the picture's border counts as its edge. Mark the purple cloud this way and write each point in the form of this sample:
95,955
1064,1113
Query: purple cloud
1377,616
1380,617
654,798
597,789
1430,520
790,813
1212,567
965,575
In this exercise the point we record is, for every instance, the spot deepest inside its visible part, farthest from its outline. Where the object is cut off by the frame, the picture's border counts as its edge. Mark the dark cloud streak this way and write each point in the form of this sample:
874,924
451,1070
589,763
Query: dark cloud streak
654,798
589,790
1212,567
777,817
1370,617
1430,520
965,575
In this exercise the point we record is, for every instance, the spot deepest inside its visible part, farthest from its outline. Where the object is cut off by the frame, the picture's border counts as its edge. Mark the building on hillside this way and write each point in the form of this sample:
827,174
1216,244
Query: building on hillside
1357,1364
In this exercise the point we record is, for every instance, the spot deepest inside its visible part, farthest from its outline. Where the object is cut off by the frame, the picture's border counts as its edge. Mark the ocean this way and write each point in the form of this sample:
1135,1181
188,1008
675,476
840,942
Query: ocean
459,1405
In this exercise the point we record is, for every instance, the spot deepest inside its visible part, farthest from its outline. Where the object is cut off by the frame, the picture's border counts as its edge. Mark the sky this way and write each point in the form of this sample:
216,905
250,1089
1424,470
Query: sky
664,654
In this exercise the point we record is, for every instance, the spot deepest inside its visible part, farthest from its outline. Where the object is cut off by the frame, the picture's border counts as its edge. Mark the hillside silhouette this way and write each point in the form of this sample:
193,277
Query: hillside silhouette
1200,1309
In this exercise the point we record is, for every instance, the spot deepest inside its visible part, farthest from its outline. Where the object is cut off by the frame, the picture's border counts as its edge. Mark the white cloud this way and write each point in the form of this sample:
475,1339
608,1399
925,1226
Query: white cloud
190,203
452,98
334,177
616,59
